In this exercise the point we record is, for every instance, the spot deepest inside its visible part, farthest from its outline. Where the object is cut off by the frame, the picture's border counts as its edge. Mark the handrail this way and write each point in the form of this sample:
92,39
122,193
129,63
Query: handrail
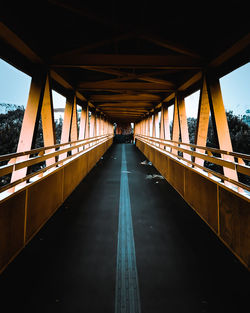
157,143
214,150
37,150
9,168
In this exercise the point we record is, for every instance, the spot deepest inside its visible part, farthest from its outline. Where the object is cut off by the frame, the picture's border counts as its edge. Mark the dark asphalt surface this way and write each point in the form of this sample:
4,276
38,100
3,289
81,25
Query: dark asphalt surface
70,265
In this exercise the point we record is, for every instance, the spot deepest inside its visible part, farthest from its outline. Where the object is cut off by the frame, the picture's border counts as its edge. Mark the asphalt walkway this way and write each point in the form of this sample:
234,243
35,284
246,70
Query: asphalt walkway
125,241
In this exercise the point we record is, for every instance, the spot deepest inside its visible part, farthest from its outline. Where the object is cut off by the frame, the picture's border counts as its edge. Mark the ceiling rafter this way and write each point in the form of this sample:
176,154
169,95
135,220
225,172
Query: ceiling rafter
123,86
170,45
88,47
129,61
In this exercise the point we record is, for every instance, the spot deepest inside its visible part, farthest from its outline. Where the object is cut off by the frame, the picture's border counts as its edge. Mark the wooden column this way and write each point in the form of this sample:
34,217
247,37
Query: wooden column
176,128
218,111
153,130
149,125
183,125
82,124
30,121
65,135
74,127
157,129
87,123
48,124
202,120
166,124
162,122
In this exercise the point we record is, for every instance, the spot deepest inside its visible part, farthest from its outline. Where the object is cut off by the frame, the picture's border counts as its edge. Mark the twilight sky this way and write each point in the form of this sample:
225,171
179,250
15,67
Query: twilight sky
14,88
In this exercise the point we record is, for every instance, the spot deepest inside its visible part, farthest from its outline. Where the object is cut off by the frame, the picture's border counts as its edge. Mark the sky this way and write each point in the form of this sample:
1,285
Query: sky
14,89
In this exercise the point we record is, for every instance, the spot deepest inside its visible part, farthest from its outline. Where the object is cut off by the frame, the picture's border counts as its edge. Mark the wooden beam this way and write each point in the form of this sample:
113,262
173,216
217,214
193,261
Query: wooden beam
18,44
202,120
170,45
194,79
124,97
122,86
124,76
129,61
232,51
84,12
88,47
48,124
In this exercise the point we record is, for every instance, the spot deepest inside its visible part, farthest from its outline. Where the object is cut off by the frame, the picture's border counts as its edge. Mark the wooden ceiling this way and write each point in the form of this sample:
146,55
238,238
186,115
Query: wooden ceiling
124,58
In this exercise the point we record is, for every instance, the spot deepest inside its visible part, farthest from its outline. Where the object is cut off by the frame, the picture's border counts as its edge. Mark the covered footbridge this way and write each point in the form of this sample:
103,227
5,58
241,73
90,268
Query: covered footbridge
133,227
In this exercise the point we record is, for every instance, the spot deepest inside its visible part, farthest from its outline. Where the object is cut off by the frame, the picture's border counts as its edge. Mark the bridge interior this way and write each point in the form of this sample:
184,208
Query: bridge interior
139,227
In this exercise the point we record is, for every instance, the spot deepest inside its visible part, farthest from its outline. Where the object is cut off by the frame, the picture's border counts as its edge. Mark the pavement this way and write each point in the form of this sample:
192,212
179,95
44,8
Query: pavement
70,265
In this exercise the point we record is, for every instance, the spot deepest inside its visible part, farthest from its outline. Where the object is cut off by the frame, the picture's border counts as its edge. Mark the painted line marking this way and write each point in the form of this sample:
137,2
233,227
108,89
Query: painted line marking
127,298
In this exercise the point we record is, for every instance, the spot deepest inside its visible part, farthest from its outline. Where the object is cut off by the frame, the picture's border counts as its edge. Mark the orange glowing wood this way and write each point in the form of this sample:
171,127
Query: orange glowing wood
30,121
219,113
74,127
48,124
87,123
202,120
65,135
176,128
183,124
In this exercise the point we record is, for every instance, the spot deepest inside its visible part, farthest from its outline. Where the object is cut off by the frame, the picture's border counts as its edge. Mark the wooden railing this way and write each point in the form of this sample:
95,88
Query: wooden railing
67,151
176,148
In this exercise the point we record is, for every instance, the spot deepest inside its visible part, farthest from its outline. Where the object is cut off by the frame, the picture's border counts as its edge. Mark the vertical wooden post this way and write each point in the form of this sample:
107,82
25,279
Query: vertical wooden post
162,122
218,111
48,124
87,123
176,128
153,130
202,120
183,125
30,120
97,120
82,124
166,124
157,125
82,127
66,125
149,125
74,126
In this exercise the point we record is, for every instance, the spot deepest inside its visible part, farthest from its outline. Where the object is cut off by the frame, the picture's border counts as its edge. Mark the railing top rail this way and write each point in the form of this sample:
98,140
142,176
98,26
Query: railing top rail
42,149
214,150
34,160
216,160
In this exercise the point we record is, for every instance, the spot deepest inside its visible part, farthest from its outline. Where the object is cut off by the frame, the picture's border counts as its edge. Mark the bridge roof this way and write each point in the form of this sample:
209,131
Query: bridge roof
125,58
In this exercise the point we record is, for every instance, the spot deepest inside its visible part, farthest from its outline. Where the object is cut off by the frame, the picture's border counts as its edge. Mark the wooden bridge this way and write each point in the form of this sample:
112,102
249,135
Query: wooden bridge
143,227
